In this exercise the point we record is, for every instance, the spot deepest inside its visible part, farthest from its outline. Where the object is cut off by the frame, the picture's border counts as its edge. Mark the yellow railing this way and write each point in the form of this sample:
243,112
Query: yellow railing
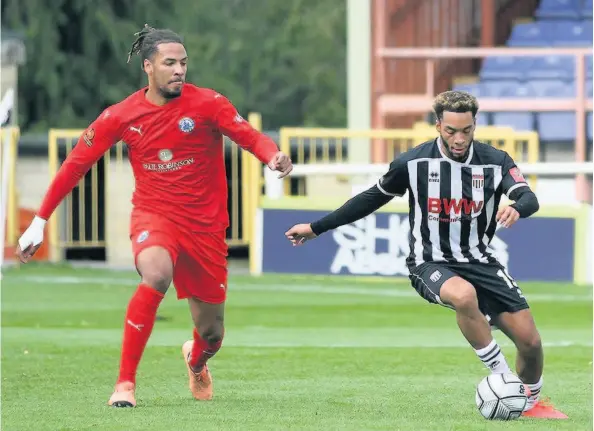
89,227
313,145
10,136
70,226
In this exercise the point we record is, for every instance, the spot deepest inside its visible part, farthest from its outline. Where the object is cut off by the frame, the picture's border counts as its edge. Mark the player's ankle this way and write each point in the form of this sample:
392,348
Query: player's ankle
534,389
492,357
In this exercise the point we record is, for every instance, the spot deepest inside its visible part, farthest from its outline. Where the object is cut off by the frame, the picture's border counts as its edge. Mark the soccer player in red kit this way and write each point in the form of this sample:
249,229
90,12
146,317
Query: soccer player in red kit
174,133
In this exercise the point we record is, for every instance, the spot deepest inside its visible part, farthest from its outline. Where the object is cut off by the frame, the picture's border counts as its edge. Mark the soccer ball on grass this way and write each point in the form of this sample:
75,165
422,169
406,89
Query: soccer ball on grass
501,397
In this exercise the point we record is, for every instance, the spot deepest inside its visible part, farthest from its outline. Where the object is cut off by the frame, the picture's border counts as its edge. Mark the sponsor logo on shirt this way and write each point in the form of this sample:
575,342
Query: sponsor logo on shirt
168,167
165,155
454,206
186,124
88,137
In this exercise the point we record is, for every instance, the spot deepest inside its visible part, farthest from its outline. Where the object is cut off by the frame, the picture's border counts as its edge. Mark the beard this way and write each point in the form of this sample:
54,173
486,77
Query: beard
456,157
168,93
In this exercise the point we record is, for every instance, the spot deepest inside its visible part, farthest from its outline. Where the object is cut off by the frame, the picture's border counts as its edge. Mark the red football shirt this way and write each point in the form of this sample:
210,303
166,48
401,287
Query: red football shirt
176,152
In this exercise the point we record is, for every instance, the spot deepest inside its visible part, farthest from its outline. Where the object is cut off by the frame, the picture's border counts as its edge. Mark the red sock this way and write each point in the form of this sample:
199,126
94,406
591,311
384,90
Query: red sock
138,325
202,351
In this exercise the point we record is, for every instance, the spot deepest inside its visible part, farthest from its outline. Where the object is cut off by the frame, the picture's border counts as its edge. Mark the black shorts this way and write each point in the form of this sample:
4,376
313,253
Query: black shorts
497,292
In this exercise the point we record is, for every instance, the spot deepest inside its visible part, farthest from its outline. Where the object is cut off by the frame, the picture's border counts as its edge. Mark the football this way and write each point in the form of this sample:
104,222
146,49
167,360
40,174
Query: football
501,397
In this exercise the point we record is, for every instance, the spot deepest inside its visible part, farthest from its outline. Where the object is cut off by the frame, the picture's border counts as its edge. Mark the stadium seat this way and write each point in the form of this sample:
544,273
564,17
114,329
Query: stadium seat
559,23
586,11
552,67
507,88
589,120
523,121
553,88
559,9
556,126
528,34
506,67
483,119
571,33
475,89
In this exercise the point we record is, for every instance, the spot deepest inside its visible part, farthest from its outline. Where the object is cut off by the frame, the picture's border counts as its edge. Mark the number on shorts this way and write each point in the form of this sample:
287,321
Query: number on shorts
509,281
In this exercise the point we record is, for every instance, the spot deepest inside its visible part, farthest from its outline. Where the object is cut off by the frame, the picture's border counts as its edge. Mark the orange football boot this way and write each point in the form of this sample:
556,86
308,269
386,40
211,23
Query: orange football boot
200,382
123,395
543,409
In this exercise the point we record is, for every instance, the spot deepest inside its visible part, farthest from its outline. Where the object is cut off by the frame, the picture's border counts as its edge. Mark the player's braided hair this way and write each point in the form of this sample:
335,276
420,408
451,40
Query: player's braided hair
148,39
455,101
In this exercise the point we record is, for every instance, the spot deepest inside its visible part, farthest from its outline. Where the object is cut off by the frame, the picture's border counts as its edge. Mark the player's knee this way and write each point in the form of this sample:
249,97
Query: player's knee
212,333
530,345
158,277
159,280
460,294
155,268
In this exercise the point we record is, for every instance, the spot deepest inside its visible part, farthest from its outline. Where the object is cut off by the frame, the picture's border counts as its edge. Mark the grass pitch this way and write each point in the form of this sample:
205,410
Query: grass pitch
299,354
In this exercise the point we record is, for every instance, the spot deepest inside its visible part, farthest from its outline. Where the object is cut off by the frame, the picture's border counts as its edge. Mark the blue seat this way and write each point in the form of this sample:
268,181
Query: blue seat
559,9
556,126
483,119
511,88
507,88
589,66
522,121
552,67
571,33
528,34
505,67
586,10
589,120
553,88
476,89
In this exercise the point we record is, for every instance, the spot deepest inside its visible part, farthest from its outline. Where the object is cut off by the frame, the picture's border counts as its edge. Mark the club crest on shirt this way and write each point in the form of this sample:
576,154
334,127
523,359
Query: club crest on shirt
165,155
478,181
186,125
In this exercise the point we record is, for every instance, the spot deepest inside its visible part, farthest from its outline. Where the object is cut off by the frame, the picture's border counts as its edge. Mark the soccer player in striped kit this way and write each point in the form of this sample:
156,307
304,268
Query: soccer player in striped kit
454,186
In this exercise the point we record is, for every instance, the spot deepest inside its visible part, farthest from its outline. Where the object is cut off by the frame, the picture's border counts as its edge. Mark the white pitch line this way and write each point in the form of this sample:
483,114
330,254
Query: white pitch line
292,288
255,337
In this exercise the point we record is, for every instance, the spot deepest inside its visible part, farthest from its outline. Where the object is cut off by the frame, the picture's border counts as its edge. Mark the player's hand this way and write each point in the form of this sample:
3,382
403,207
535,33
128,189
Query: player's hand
507,216
300,233
281,163
31,240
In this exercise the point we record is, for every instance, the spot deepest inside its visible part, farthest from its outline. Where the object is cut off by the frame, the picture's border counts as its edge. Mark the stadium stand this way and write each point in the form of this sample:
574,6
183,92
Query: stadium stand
558,23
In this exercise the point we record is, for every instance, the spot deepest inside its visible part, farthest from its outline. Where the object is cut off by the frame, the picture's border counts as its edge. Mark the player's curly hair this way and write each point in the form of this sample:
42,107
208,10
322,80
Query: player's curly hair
148,39
455,101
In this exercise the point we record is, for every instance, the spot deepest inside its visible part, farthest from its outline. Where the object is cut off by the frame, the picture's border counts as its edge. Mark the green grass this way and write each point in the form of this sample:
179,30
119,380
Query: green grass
299,353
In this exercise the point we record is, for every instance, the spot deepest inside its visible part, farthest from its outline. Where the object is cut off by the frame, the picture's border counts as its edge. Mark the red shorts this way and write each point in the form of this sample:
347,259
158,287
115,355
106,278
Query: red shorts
199,258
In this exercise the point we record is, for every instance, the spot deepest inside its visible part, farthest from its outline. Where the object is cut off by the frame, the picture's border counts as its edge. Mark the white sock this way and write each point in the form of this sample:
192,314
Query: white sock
493,358
534,393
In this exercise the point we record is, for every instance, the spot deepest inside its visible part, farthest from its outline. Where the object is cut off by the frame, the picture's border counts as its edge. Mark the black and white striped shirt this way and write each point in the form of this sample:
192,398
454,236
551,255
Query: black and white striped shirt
452,204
